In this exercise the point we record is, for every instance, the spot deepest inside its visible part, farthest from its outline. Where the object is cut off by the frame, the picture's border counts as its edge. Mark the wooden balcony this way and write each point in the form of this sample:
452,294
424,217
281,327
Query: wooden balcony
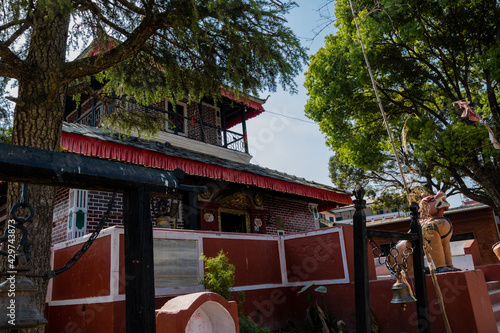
200,122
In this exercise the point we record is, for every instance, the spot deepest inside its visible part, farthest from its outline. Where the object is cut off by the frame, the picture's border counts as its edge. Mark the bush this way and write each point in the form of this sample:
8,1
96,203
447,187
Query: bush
247,325
219,278
219,275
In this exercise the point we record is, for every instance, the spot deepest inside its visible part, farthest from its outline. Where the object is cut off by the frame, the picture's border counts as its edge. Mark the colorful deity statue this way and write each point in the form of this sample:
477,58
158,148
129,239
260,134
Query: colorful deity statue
436,232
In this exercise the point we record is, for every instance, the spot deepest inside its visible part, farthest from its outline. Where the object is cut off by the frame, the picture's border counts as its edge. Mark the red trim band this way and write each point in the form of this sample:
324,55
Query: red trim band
93,147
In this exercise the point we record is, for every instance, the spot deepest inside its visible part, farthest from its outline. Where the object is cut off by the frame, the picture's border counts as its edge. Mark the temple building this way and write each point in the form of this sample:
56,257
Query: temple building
206,144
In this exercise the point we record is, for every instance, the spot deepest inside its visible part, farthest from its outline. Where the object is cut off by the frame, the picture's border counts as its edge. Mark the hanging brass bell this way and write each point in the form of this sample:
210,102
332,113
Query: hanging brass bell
17,303
401,294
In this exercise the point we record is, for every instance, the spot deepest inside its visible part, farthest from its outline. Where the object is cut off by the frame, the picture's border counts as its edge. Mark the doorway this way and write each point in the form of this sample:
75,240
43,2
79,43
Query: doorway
233,222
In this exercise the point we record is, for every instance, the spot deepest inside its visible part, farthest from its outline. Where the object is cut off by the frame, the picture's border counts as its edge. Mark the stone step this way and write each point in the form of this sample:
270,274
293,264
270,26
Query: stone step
494,293
492,285
496,311
494,296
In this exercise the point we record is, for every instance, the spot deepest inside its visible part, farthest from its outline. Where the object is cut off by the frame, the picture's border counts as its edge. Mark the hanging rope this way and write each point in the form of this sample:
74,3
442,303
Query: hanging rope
427,254
379,102
432,269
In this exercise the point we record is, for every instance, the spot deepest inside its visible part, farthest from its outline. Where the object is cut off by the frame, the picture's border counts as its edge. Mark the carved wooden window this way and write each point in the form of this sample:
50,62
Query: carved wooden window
77,213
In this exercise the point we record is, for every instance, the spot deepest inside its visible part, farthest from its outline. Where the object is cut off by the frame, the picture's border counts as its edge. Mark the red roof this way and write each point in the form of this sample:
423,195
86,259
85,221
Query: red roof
89,146
253,108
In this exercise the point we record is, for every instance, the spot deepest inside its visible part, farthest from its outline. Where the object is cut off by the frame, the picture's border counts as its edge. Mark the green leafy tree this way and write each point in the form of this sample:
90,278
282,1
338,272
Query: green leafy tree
391,200
150,49
347,176
425,55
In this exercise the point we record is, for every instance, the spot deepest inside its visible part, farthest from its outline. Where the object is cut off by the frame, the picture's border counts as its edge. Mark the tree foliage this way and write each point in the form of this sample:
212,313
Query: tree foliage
152,49
391,200
424,55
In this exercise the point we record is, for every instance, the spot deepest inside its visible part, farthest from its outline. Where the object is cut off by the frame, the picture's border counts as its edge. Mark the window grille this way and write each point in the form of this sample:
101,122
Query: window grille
77,213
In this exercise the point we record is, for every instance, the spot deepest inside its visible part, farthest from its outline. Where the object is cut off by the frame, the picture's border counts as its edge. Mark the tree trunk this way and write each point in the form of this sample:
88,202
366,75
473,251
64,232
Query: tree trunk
37,123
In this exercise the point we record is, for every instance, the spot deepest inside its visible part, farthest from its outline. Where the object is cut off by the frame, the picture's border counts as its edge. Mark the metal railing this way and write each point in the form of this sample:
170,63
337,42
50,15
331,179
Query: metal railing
190,127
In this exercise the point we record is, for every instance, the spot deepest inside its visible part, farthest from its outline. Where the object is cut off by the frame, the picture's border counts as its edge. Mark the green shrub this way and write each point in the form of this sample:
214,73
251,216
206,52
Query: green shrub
219,275
247,325
219,278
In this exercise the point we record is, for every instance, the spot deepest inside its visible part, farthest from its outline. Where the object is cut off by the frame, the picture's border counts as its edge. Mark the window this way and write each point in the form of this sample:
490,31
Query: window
177,118
77,213
313,208
218,123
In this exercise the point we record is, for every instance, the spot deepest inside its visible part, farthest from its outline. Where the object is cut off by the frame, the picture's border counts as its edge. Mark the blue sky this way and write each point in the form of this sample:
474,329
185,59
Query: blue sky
282,138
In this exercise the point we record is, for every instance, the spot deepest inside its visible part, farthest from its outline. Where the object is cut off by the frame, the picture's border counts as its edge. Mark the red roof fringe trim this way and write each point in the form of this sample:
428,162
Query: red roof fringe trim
248,115
93,147
248,102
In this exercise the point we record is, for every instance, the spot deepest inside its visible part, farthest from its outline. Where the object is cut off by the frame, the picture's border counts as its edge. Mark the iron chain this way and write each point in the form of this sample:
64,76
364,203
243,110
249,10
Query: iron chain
392,256
87,244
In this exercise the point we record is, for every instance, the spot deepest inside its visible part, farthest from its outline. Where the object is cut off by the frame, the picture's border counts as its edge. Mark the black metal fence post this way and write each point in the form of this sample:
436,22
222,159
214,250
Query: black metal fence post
419,273
139,268
244,127
361,286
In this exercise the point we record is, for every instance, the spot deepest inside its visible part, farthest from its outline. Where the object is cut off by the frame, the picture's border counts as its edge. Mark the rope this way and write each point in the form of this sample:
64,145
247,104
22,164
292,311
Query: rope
439,295
379,102
428,256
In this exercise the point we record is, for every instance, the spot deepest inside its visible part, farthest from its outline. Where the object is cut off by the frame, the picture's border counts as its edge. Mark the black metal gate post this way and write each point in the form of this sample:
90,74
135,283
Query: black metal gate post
36,166
419,273
361,276
139,269
361,286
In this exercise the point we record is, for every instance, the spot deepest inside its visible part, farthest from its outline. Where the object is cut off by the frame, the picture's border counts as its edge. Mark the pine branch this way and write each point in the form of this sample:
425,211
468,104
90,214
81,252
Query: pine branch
7,70
10,59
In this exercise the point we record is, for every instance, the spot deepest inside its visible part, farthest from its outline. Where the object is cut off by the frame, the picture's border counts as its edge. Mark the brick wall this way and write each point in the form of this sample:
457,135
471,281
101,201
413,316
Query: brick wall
97,206
209,118
60,219
295,214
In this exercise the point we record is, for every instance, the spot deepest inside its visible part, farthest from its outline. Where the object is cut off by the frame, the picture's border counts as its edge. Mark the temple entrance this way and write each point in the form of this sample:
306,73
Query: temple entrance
233,222
234,213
